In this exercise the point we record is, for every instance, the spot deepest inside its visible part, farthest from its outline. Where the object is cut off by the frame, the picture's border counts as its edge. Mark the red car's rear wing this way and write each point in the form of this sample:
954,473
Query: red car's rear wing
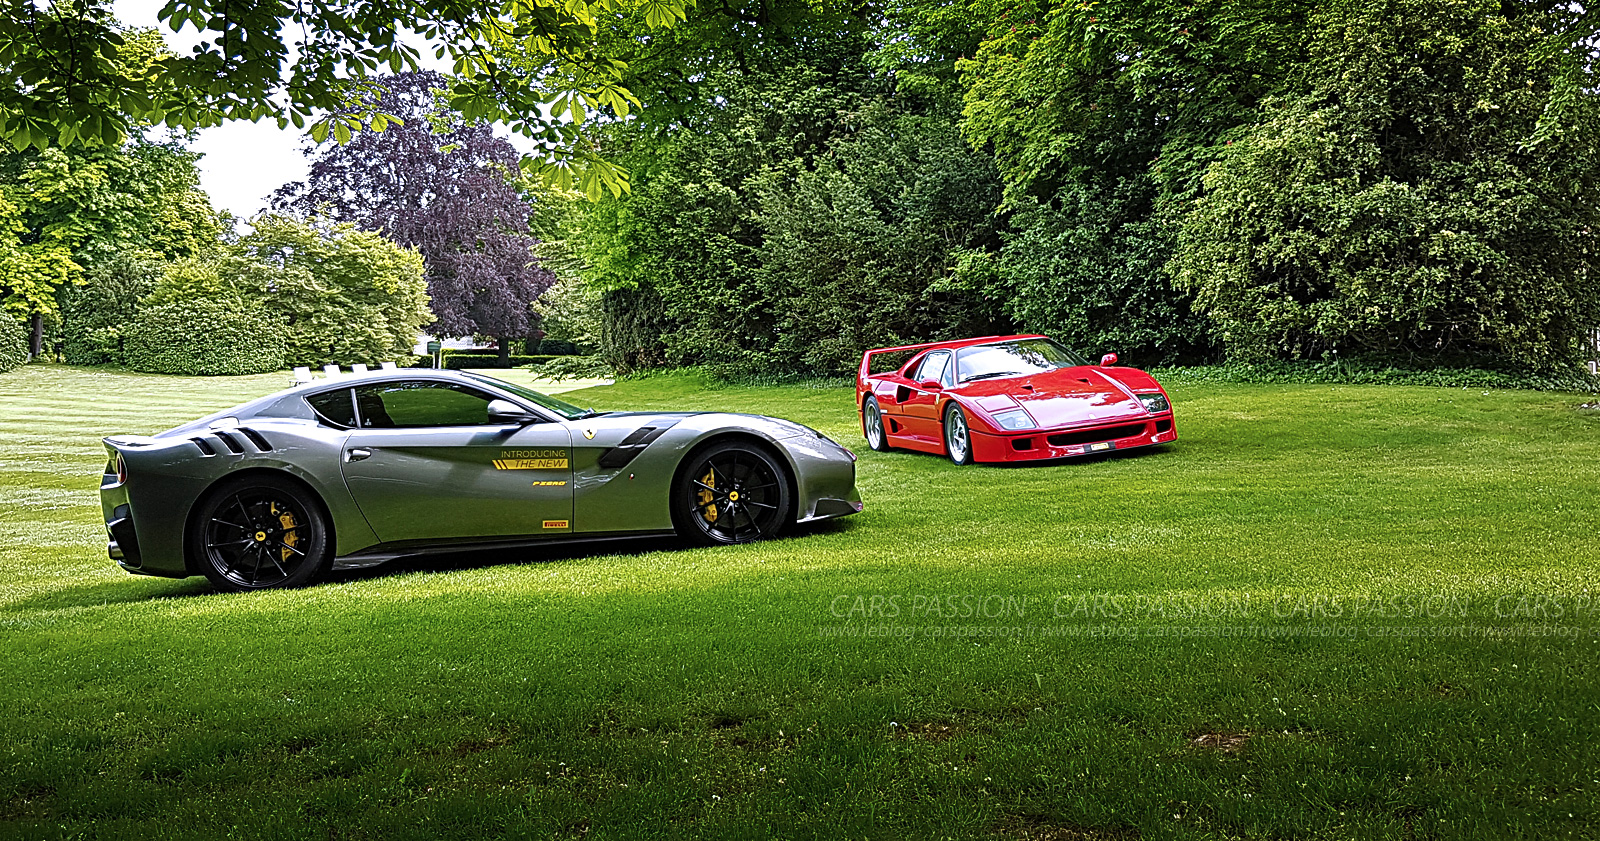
866,358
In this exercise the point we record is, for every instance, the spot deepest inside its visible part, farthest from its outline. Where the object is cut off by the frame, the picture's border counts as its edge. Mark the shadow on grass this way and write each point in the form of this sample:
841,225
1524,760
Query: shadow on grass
119,592
443,562
143,589
1109,455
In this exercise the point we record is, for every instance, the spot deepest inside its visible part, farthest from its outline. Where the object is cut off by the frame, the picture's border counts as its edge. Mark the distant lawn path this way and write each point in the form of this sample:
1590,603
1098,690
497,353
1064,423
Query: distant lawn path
1326,612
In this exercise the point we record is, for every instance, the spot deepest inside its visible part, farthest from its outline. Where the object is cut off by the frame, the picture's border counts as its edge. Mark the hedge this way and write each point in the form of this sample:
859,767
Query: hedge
457,361
13,343
203,338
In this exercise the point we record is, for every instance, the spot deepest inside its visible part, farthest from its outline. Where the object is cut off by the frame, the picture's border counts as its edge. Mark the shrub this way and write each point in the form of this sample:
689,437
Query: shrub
13,343
1379,373
204,338
573,368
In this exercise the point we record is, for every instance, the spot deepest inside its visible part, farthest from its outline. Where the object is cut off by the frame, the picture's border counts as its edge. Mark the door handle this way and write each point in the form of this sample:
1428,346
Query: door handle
357,453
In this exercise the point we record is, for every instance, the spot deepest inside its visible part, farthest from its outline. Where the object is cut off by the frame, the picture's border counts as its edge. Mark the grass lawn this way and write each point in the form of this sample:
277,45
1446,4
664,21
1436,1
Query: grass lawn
1326,612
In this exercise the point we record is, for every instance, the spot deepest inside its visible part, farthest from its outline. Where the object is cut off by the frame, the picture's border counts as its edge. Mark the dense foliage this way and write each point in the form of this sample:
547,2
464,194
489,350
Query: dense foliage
1171,181
444,187
1401,201
333,294
96,315
204,338
13,343
71,75
64,211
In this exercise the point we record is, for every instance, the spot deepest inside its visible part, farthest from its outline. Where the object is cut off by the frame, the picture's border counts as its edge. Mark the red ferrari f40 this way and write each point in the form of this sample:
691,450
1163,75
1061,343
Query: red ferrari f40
1009,399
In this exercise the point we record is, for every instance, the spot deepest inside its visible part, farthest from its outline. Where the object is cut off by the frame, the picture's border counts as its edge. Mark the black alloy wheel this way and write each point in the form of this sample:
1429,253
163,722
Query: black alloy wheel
731,493
957,434
260,533
872,425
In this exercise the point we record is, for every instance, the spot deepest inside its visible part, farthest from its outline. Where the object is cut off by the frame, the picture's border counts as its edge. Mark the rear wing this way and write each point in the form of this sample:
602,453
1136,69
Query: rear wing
866,358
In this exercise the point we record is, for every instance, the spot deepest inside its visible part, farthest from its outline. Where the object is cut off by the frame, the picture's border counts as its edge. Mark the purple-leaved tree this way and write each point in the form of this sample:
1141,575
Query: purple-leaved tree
443,187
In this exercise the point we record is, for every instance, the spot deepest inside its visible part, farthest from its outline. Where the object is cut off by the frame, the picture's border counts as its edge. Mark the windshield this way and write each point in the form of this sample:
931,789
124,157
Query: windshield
564,409
1004,359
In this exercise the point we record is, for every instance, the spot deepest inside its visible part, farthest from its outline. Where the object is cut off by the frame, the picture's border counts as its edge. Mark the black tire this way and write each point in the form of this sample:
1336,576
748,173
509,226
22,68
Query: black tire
260,532
731,493
957,434
872,426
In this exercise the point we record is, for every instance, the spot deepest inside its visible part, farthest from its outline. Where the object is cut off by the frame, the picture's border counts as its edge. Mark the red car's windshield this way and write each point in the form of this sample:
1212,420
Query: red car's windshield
1004,359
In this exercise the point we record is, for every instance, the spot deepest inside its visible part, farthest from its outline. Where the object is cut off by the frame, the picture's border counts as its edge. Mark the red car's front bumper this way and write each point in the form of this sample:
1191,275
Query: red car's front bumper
1038,444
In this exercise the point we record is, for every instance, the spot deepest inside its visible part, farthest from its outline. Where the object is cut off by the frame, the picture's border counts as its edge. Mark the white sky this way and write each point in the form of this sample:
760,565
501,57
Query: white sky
244,162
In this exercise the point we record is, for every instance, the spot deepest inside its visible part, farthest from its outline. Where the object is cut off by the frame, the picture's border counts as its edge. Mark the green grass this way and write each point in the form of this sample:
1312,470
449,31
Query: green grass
1326,612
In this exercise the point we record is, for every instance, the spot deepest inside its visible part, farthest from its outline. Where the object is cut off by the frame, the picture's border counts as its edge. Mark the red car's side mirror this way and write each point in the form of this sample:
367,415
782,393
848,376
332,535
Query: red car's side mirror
930,385
1108,359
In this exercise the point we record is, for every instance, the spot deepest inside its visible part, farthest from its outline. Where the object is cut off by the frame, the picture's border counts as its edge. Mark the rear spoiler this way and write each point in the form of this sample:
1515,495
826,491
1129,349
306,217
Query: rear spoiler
866,358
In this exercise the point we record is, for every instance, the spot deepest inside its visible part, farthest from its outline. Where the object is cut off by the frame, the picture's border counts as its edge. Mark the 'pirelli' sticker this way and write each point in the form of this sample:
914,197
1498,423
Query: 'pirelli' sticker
549,484
555,524
532,460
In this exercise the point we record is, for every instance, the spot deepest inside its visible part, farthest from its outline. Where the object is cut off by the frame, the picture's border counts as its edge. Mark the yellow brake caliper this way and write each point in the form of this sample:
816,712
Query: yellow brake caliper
290,536
707,510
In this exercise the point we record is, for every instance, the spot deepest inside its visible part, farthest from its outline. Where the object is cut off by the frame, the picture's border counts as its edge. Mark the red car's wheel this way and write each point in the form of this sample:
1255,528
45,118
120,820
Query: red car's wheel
957,435
872,426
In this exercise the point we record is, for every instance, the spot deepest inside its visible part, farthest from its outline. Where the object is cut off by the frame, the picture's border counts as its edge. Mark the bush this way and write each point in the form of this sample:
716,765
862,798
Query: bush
13,343
204,338
96,315
573,368
457,361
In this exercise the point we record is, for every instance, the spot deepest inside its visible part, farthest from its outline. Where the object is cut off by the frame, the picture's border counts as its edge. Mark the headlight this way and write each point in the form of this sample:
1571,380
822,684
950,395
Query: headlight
1155,403
1014,419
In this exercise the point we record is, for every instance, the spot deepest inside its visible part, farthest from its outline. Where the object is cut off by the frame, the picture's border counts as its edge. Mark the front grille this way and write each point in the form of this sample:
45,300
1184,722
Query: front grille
1091,436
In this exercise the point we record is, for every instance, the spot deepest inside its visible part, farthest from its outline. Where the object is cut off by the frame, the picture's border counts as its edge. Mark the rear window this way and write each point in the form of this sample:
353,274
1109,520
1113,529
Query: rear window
334,408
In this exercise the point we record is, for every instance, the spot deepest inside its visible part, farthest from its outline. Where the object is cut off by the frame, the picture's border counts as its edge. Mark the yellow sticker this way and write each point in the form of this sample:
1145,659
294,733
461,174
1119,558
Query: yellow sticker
531,460
555,524
549,484
588,433
530,463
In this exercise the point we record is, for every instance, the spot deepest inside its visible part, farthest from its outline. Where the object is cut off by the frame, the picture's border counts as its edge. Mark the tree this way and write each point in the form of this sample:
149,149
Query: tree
69,75
63,210
1418,195
331,293
442,186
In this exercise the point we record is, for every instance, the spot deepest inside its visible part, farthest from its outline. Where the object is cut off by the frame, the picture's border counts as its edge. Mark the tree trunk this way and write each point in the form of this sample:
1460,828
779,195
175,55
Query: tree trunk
36,342
505,352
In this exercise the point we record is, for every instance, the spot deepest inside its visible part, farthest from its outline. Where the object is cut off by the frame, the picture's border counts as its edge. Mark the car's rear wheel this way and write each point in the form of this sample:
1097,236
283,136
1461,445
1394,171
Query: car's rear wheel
261,532
957,434
731,493
872,425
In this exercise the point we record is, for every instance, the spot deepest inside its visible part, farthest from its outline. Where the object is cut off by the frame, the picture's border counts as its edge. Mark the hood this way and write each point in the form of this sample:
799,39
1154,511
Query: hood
1063,397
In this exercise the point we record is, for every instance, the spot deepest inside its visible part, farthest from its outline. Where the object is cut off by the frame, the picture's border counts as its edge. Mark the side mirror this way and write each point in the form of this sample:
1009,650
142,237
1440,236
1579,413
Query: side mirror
505,411
930,385
1108,359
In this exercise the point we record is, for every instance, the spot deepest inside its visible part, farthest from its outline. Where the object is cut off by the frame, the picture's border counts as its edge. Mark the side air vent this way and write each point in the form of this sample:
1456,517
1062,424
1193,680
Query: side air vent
204,445
228,441
630,447
257,439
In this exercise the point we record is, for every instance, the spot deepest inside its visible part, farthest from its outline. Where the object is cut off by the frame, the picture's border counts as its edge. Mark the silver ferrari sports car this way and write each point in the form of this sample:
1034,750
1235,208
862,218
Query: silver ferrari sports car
355,470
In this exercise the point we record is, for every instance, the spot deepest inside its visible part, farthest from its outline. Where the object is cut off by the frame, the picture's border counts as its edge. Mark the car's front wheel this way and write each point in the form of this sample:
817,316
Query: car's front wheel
957,434
260,533
872,425
731,493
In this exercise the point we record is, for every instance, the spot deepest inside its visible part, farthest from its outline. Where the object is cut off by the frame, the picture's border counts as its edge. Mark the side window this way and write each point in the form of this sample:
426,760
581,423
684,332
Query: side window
934,367
334,408
411,404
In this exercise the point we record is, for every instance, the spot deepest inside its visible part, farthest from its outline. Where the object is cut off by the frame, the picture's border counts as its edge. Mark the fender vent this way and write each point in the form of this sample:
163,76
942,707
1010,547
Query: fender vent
227,441
630,447
257,439
204,445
